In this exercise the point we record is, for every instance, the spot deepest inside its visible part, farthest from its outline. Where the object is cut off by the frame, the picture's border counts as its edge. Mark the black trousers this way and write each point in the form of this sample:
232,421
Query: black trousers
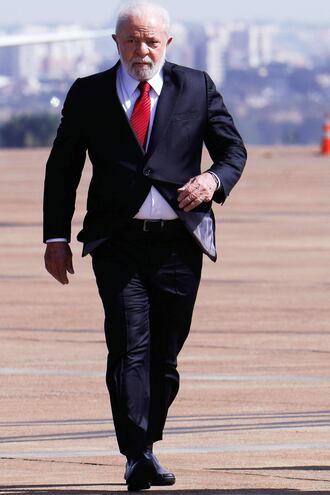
148,283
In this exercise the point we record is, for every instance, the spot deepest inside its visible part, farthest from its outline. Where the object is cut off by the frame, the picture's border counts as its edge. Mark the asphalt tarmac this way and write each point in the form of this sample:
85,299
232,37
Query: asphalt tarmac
253,413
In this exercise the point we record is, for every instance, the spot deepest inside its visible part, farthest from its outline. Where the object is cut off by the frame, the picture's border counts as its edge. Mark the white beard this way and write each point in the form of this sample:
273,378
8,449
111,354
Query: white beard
143,73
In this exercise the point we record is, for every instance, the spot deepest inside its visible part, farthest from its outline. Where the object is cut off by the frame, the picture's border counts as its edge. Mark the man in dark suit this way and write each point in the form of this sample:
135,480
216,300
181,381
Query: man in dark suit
149,218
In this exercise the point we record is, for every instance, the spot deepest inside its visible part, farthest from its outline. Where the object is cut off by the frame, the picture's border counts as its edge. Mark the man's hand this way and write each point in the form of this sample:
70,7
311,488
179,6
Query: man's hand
58,261
197,190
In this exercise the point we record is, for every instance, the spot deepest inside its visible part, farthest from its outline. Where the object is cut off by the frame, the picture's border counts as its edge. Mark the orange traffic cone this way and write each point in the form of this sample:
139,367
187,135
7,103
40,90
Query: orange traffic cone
325,148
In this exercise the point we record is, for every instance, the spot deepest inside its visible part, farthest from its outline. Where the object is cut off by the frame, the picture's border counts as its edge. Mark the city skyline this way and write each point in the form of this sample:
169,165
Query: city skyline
275,76
103,12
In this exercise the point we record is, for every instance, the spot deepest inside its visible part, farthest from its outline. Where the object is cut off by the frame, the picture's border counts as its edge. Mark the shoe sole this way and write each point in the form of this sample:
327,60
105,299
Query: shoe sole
137,488
162,482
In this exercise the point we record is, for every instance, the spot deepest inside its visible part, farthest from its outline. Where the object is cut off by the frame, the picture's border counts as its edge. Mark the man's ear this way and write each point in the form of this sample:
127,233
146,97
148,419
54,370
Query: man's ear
169,41
114,37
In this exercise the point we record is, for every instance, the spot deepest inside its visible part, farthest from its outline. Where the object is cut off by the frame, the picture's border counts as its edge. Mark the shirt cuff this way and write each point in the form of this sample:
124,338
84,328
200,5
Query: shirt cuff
56,239
216,178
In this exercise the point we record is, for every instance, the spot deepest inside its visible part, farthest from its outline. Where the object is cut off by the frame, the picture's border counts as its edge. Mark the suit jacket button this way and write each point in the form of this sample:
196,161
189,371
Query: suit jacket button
147,171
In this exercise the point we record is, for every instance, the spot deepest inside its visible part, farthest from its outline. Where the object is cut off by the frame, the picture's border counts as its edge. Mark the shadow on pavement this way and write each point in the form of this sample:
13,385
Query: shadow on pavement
276,468
89,489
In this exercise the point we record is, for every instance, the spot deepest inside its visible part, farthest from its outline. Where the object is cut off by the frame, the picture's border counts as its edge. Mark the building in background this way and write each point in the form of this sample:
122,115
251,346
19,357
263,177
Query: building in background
275,77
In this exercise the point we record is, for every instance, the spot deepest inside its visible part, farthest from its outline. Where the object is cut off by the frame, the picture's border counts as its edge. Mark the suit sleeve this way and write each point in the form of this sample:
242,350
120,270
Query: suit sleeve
64,168
223,142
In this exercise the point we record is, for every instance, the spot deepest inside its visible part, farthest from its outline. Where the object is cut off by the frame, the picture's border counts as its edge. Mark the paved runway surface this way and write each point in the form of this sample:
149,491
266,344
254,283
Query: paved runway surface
253,413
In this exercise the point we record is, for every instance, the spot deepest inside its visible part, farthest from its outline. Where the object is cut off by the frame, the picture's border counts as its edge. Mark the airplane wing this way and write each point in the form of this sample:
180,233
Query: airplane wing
35,39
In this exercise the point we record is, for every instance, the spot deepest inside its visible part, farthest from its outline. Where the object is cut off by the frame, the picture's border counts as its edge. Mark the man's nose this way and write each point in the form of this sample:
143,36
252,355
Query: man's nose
142,49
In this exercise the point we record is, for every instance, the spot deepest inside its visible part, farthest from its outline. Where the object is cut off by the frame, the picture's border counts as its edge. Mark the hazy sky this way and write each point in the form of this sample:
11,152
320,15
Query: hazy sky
101,11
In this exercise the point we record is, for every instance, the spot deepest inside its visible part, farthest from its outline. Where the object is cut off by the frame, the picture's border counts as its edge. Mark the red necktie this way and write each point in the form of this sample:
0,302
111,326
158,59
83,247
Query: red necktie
141,113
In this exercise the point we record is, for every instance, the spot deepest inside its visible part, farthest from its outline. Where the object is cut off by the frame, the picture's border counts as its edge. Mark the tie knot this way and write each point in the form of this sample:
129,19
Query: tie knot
144,87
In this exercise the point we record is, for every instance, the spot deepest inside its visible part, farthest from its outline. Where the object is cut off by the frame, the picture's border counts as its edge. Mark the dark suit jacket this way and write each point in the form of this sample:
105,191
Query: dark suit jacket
190,112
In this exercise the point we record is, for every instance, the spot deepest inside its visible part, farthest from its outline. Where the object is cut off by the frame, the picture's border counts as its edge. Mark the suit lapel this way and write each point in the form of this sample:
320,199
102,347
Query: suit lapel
114,109
172,87
166,104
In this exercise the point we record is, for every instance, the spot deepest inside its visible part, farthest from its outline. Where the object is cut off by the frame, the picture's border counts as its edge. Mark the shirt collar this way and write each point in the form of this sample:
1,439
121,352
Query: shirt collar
130,84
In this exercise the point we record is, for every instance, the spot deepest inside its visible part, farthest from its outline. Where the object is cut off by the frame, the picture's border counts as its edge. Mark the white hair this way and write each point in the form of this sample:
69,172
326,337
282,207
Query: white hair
141,8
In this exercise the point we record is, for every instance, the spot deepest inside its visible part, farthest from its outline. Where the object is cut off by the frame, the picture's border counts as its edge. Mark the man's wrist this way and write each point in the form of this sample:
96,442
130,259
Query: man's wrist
216,179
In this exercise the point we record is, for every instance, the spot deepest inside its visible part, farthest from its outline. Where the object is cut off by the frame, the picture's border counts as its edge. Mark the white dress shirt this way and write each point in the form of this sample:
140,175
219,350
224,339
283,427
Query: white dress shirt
154,206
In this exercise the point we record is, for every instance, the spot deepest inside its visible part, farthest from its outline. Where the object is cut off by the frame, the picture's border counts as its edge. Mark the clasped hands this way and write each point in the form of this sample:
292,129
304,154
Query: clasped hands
199,189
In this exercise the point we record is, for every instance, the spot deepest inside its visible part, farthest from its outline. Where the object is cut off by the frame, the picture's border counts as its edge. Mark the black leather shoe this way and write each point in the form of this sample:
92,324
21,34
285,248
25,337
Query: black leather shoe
137,474
158,476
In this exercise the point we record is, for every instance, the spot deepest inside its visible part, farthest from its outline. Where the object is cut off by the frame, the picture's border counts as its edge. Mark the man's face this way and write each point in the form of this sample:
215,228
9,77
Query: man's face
141,43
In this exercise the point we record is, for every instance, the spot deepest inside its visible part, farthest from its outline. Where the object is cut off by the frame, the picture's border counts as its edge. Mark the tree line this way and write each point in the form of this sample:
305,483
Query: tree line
28,130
